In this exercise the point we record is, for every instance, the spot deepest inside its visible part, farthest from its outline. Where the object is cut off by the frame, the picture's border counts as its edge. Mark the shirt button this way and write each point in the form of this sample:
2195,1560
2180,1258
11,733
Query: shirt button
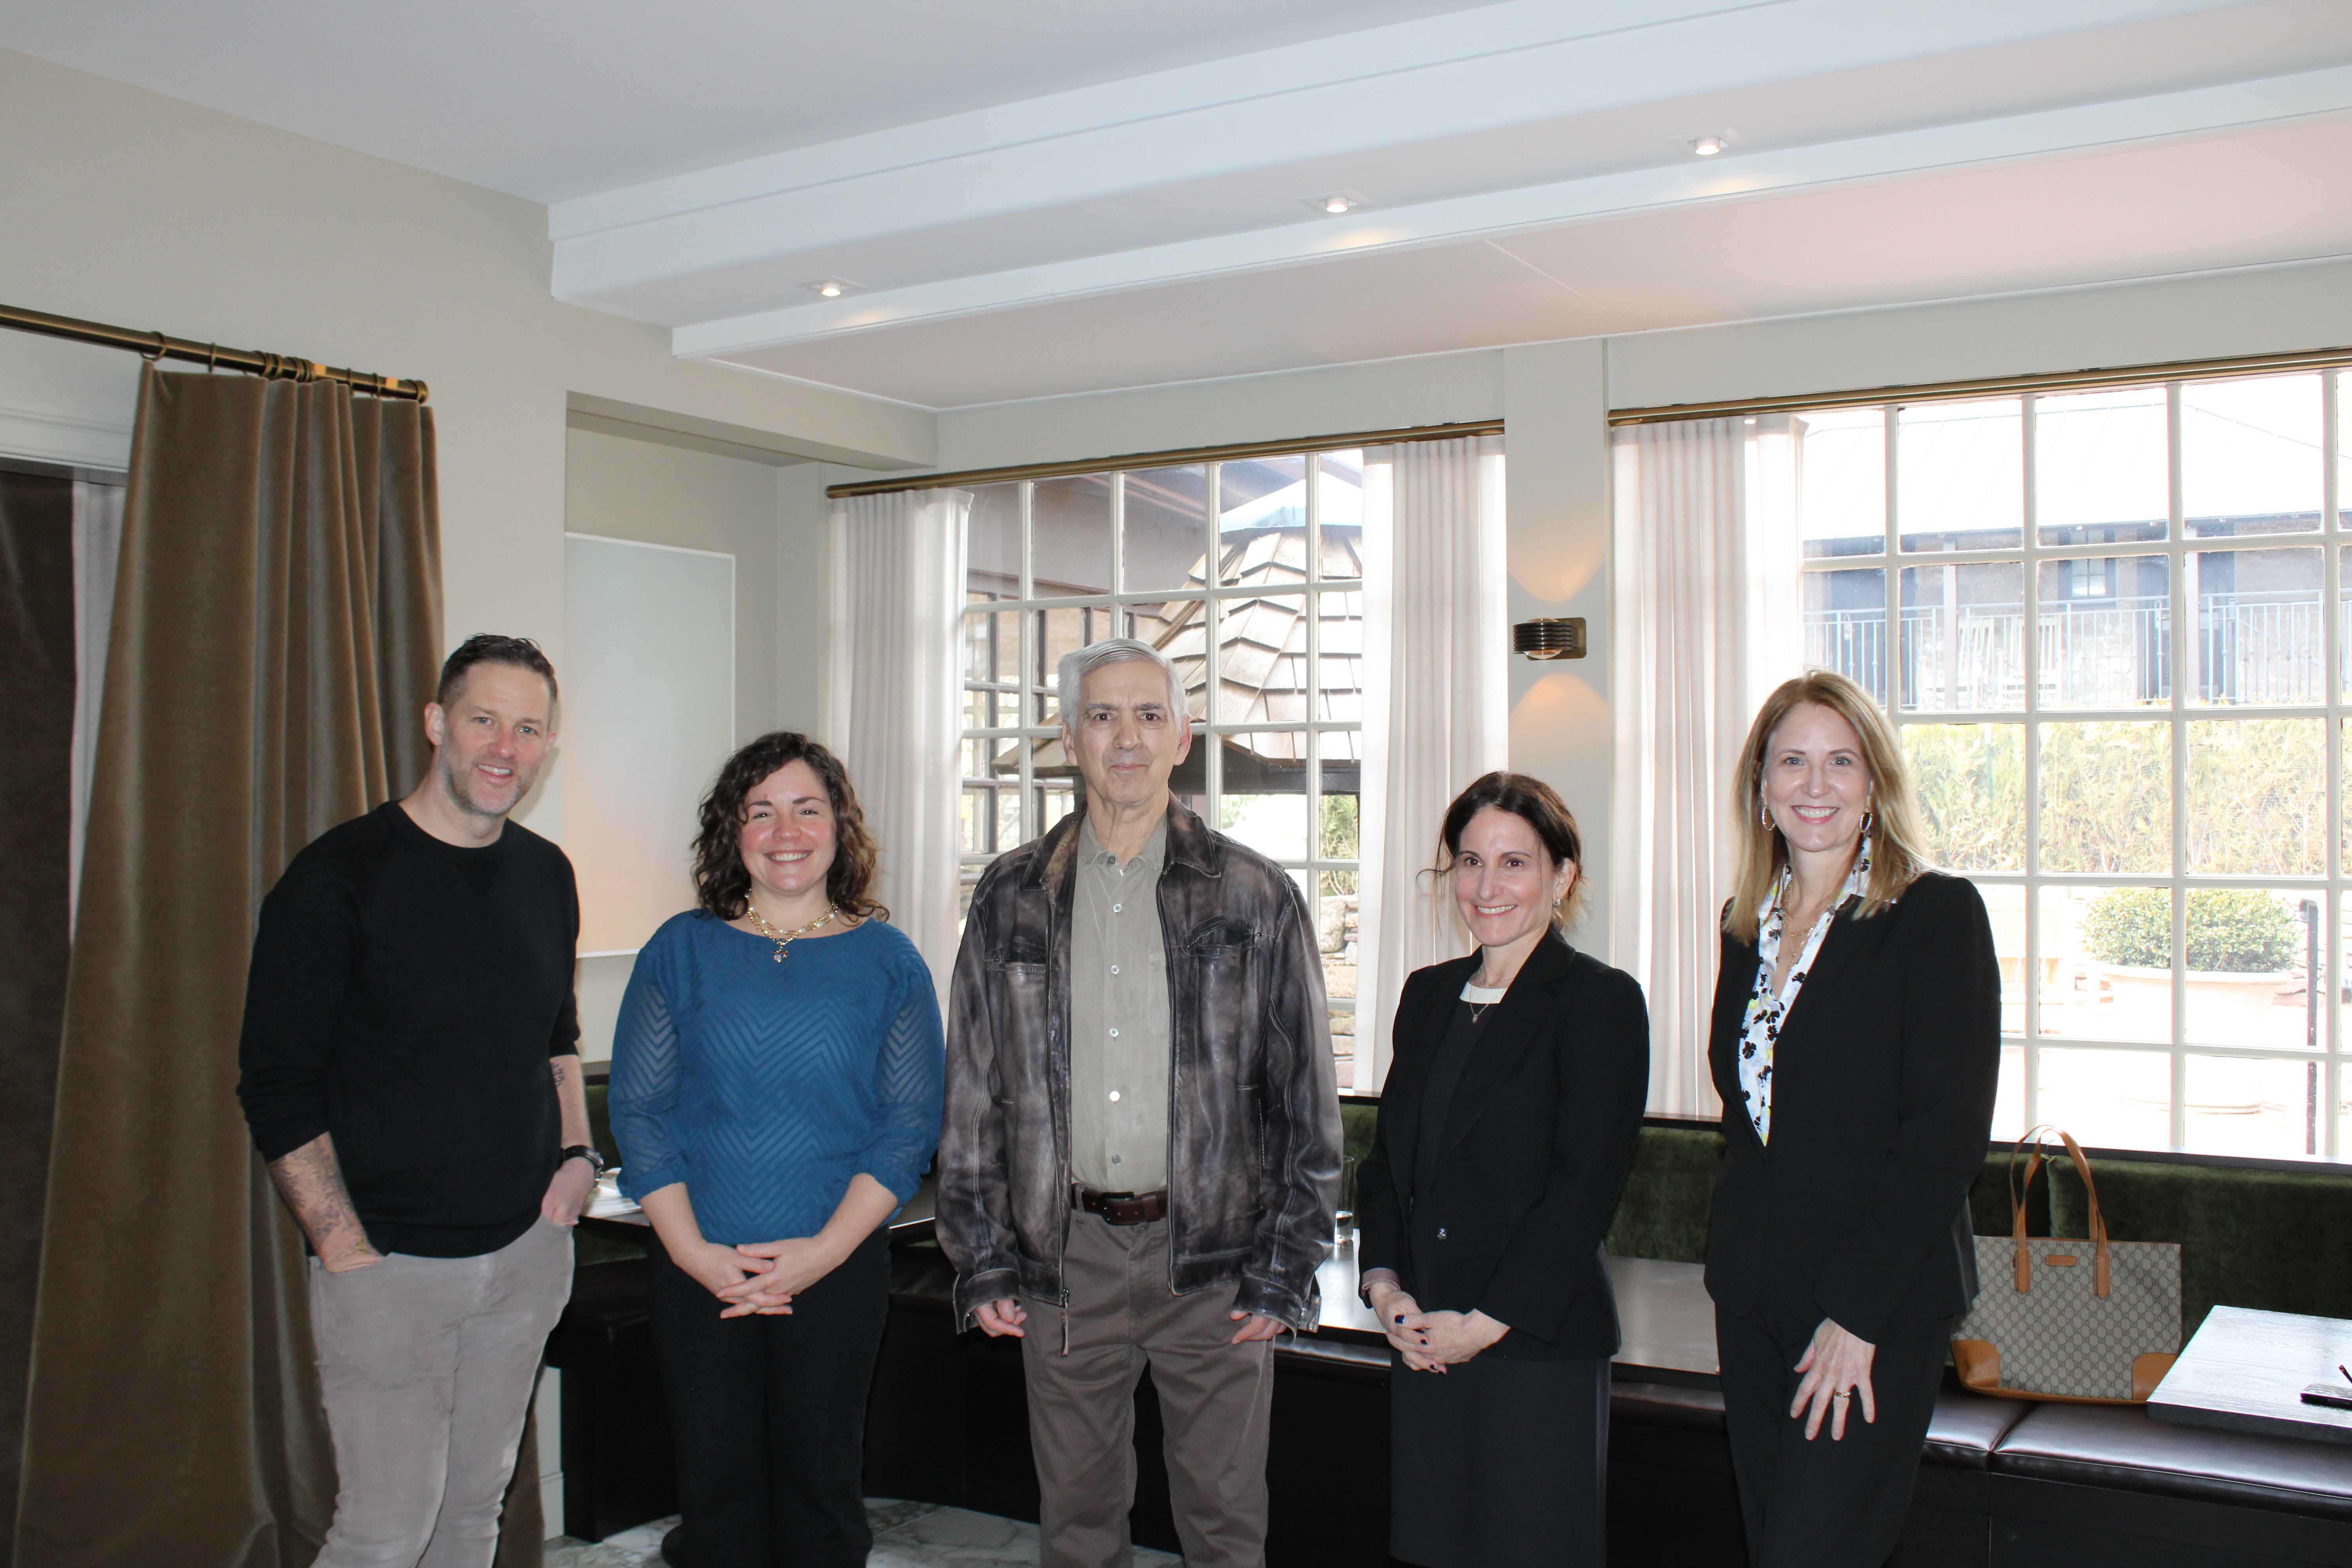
1115,908
1115,1159
1114,1097
1114,1034
1114,969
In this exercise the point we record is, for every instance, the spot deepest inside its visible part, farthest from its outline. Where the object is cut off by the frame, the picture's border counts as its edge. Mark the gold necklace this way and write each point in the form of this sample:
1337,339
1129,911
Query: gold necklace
785,939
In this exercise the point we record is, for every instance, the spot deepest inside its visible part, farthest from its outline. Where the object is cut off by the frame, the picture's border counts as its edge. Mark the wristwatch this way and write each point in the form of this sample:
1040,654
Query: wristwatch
584,1152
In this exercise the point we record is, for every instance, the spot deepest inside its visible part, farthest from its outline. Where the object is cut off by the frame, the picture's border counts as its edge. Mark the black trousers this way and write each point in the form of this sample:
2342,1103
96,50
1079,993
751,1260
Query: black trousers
1500,1464
1824,1504
770,1413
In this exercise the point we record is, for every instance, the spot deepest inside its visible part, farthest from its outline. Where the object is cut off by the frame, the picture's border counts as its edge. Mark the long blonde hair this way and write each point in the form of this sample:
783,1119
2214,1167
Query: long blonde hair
1897,856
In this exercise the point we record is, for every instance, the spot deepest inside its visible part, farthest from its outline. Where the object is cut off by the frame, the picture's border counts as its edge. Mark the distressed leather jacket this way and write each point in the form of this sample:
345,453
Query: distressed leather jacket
1253,1117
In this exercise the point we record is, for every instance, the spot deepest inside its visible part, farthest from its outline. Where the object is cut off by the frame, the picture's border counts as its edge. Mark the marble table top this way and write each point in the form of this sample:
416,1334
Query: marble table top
2245,1371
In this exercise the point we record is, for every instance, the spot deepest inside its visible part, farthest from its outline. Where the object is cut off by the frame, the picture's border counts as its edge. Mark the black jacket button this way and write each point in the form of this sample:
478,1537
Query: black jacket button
1441,1233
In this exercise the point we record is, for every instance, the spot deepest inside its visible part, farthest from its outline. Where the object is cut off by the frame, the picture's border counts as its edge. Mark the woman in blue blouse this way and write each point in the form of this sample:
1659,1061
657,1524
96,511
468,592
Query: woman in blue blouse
776,1094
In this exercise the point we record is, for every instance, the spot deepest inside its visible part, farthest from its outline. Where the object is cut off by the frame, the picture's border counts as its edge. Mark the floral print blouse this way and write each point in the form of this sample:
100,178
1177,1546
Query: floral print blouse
1759,1030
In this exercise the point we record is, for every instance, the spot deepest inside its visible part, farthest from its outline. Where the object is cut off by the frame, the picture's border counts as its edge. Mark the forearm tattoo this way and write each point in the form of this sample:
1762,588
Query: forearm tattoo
311,1181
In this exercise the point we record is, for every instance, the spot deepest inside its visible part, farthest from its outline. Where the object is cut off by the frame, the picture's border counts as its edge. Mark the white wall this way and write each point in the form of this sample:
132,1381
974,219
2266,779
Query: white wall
2257,310
655,494
621,487
1554,399
127,207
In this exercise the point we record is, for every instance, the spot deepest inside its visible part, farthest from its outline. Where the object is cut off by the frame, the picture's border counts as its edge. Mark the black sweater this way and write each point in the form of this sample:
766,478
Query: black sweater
405,996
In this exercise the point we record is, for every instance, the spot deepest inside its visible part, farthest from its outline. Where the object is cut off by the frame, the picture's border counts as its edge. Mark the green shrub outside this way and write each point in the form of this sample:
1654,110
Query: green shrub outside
2231,930
2257,796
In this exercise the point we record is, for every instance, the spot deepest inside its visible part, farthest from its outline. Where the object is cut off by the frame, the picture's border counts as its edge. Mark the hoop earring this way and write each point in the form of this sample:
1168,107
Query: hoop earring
1869,820
1764,816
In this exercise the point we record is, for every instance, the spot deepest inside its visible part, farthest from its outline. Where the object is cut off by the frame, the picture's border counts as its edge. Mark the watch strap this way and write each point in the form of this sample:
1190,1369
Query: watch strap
584,1152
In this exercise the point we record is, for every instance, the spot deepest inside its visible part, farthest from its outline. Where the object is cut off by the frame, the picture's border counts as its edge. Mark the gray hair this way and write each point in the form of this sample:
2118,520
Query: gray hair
1078,664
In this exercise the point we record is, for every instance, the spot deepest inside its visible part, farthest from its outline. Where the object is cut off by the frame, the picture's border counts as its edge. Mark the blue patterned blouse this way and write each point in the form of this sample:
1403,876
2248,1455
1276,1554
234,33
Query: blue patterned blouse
765,1087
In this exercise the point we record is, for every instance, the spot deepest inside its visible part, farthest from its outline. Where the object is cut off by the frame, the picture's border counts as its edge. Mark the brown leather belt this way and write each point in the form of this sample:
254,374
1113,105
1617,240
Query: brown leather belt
1122,1208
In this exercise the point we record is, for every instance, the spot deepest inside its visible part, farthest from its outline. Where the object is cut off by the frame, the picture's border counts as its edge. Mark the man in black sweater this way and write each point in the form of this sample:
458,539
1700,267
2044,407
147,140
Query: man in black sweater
410,1071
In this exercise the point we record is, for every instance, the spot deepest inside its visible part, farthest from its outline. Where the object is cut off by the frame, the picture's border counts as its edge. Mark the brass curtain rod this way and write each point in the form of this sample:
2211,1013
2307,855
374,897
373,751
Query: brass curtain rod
1992,386
1168,460
159,346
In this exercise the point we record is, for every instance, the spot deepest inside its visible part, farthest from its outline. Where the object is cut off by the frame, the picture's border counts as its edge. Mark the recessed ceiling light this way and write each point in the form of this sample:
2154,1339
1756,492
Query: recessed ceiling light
831,287
1331,204
1707,146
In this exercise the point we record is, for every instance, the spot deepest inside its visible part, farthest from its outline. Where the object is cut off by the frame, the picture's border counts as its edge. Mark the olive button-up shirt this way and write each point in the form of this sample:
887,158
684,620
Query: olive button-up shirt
1120,1019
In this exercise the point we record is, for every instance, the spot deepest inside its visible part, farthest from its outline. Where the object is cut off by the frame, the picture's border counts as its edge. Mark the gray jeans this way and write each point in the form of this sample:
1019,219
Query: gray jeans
427,1364
1215,1405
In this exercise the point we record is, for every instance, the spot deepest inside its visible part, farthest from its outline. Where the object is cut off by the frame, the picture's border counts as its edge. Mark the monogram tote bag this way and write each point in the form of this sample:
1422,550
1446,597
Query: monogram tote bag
2092,1321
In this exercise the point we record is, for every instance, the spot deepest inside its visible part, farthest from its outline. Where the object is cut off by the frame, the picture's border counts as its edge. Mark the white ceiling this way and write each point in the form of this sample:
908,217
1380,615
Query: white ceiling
554,98
1054,196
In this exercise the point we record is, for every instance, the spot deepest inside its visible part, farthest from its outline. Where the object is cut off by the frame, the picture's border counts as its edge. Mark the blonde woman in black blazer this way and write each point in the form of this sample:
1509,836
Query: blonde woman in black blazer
1512,1107
1856,1045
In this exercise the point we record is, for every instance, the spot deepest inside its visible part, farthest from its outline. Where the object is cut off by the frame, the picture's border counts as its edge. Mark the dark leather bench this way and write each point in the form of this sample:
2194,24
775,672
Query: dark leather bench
2001,1481
2106,1484
619,1467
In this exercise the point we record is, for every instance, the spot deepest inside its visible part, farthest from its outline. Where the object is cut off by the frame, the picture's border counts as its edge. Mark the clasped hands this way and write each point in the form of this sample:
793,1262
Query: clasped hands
1431,1341
760,1279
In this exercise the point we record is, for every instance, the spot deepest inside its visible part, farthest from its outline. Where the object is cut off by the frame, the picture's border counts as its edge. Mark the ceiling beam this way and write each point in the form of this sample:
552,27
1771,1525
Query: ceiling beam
1498,215
1530,64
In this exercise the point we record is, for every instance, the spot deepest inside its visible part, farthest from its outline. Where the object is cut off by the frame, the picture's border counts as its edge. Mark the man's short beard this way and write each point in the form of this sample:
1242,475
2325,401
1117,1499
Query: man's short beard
466,803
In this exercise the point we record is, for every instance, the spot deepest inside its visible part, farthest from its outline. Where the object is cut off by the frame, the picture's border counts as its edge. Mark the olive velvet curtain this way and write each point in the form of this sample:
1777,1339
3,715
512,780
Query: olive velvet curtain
37,692
276,633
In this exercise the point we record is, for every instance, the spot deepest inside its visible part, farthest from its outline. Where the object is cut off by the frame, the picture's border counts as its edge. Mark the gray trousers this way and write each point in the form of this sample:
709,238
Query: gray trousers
427,1364
1215,1398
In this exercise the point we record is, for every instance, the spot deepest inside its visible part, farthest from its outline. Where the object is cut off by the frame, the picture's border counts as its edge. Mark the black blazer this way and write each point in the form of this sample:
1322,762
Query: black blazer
1537,1138
1883,1082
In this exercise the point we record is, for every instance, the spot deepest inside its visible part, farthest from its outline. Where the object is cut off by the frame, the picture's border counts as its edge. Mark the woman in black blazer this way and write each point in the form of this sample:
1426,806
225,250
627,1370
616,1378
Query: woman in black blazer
1513,1104
1857,1046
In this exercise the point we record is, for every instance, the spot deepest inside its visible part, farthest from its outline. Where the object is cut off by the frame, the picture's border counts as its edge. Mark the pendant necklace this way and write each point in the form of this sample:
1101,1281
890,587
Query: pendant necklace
785,939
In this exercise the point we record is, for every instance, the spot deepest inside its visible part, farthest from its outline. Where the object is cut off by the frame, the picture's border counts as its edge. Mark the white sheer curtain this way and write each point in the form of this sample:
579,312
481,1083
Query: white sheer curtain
1705,622
898,603
1436,701
96,542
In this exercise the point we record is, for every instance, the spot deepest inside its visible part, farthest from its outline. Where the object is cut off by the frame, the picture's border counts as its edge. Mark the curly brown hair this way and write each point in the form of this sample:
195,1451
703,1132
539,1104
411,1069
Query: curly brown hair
722,888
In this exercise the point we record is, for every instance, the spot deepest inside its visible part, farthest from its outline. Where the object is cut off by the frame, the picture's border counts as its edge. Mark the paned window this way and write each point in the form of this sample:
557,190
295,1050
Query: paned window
1249,576
2109,625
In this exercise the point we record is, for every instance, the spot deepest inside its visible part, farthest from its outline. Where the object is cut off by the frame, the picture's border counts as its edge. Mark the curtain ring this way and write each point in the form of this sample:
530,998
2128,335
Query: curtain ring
162,345
212,358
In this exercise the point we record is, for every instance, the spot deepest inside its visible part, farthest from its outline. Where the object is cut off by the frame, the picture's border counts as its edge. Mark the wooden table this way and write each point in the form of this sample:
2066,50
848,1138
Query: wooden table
1664,1309
2244,1371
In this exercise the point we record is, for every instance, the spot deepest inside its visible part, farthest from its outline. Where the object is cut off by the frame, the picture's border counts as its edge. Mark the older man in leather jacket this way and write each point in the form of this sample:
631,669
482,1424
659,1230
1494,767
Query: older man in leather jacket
1142,1143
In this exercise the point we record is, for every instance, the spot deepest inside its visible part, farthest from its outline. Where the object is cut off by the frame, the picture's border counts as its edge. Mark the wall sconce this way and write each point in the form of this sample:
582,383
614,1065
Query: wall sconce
1549,638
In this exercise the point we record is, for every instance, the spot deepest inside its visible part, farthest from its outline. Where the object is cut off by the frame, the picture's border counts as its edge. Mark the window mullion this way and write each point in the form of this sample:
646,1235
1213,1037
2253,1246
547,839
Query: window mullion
1031,825
2028,1027
1212,770
2184,612
2331,414
1118,546
1890,641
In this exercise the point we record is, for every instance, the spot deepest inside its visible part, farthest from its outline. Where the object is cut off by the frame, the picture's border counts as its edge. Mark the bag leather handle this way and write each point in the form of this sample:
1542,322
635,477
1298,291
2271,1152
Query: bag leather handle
2098,1223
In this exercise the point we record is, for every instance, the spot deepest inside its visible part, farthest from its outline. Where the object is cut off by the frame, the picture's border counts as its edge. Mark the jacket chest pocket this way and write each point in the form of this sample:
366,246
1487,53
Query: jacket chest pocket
1220,962
1025,1015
